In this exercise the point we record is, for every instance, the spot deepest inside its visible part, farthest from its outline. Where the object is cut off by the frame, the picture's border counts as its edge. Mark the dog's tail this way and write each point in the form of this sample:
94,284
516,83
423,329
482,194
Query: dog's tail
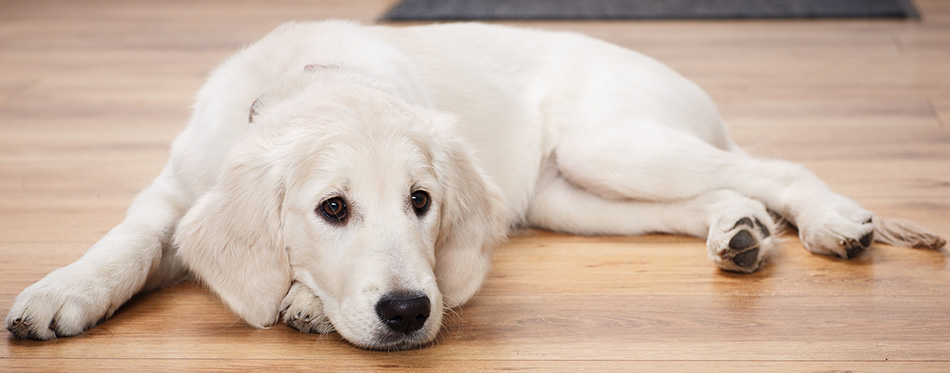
905,234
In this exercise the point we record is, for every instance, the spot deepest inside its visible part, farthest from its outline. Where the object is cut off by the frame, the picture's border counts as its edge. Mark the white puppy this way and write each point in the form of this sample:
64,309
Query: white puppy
358,178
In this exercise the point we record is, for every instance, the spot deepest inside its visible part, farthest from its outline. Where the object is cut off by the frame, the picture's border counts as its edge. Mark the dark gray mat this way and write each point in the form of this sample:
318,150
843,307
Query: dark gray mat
454,10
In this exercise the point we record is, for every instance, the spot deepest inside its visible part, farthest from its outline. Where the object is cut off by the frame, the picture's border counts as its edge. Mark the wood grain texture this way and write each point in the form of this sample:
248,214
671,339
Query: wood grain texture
93,92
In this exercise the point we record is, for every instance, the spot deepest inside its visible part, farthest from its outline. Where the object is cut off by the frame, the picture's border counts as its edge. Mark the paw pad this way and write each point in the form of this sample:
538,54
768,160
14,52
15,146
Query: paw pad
746,258
742,240
754,223
854,247
744,247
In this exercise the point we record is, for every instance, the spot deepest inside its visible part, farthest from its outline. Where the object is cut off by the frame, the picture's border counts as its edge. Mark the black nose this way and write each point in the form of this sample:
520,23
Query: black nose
403,313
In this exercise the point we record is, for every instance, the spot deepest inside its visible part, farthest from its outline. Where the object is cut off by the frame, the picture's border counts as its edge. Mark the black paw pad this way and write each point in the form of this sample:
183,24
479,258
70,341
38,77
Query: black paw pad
742,240
854,247
747,258
866,239
754,223
744,221
762,229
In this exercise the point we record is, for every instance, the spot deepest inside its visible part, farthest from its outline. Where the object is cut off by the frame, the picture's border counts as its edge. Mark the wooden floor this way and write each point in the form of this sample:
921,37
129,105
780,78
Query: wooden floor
93,92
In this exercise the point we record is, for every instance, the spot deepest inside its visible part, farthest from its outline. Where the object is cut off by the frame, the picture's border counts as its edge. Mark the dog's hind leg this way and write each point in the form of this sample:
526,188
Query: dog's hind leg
656,163
133,256
738,230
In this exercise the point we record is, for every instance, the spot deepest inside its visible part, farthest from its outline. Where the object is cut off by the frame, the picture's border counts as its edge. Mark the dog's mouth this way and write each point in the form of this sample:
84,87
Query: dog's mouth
386,340
389,341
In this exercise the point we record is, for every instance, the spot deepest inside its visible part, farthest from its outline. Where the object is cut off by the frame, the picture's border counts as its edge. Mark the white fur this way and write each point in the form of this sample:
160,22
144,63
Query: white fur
501,126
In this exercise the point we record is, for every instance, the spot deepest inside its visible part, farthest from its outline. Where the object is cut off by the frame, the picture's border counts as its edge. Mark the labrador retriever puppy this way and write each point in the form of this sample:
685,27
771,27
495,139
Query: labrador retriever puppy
357,179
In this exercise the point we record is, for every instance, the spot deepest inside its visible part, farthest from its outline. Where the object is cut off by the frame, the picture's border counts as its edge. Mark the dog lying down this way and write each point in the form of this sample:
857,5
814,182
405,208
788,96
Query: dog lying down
363,176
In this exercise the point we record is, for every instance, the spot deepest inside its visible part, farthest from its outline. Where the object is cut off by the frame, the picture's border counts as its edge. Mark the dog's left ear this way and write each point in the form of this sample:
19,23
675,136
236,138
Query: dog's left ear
474,217
231,238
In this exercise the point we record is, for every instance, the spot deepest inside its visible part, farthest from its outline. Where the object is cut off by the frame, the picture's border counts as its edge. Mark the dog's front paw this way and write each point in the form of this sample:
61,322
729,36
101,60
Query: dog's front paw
64,303
302,310
839,227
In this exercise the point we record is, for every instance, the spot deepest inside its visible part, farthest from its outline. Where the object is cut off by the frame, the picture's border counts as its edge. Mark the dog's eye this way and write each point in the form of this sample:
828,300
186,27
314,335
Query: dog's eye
420,202
334,209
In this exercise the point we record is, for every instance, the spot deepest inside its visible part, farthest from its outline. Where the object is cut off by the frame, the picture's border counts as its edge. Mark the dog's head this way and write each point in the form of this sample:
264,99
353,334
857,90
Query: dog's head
375,205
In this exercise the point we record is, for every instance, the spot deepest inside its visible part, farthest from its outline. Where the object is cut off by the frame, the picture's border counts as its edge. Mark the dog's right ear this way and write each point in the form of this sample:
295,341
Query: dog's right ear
231,239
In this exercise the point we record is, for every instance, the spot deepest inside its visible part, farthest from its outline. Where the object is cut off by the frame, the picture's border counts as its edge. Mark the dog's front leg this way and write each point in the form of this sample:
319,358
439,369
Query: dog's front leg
303,310
133,256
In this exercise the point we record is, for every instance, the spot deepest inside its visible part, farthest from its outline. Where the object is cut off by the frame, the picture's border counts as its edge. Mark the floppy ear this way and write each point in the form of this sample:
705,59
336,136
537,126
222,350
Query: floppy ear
231,239
473,218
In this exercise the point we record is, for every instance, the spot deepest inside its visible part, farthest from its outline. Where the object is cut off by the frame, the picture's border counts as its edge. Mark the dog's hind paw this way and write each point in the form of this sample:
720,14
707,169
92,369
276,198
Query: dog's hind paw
743,245
302,310
840,228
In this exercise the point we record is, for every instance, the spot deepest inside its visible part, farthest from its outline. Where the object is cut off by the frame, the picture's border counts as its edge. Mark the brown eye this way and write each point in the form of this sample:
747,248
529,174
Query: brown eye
334,209
420,202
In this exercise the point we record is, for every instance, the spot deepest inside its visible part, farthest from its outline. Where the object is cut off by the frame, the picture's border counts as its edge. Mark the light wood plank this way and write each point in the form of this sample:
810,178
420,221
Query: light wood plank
397,365
185,322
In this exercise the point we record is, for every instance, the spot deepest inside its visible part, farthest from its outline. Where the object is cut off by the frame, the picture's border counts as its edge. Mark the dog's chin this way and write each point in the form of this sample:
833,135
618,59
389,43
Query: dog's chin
392,341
